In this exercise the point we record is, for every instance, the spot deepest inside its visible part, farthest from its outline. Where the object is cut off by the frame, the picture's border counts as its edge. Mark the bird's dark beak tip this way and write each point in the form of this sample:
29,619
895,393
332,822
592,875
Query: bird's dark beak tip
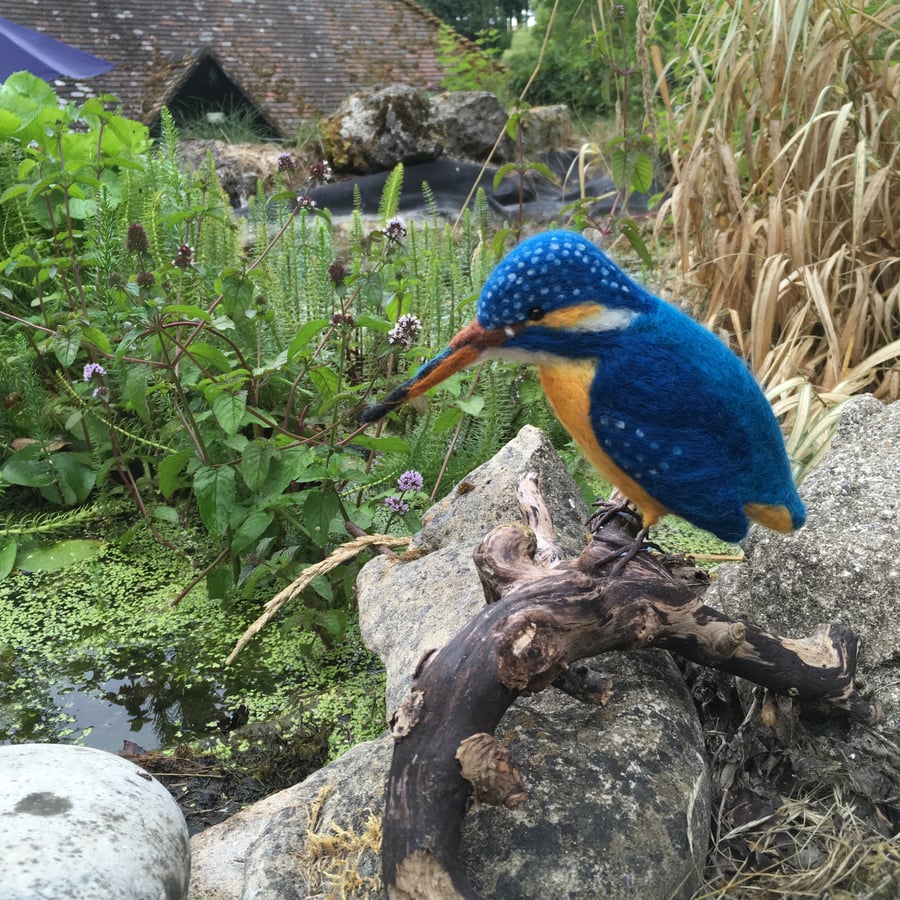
374,413
380,410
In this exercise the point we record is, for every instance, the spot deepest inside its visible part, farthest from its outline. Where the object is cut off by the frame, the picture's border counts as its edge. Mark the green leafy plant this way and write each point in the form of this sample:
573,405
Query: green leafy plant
468,67
157,354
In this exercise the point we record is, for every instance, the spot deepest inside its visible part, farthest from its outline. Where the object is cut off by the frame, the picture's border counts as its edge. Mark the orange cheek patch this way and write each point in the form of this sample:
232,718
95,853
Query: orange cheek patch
570,316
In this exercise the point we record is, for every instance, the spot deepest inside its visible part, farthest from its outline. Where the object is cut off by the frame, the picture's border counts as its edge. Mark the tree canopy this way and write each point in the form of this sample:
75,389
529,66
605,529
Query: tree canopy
477,18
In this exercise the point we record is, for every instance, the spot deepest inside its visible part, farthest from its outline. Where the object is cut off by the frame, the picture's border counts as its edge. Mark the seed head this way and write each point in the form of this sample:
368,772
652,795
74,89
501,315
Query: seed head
337,272
136,240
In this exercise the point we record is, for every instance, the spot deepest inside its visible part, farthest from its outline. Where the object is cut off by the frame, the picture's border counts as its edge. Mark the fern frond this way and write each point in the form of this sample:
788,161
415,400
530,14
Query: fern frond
44,523
390,196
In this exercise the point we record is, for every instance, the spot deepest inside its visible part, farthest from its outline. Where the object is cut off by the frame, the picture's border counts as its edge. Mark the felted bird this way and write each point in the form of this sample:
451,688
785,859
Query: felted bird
659,405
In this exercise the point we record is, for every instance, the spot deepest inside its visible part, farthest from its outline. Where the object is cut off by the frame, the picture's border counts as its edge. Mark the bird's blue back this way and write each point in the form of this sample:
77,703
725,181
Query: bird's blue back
670,404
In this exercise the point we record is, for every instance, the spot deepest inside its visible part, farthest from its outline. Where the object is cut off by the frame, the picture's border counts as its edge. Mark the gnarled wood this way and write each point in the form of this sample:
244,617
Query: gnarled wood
540,619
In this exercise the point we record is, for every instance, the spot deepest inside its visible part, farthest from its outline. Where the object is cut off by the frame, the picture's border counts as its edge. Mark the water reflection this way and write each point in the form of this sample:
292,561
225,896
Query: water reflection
140,694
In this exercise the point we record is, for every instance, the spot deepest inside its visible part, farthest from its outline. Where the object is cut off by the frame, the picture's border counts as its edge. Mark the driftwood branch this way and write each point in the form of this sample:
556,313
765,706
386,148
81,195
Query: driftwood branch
540,618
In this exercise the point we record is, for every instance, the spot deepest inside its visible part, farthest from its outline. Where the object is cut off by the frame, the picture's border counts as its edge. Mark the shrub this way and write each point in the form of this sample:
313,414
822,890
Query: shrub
153,356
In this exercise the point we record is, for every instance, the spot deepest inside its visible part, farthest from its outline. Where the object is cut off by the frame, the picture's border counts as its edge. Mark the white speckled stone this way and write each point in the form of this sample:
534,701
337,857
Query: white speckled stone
84,824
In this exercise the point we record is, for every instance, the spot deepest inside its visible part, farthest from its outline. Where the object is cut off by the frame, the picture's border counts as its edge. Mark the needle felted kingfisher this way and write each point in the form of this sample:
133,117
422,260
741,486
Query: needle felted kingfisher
660,405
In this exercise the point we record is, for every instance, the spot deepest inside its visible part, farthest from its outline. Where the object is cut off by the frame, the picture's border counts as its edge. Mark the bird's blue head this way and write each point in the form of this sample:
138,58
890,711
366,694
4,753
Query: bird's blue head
558,279
552,294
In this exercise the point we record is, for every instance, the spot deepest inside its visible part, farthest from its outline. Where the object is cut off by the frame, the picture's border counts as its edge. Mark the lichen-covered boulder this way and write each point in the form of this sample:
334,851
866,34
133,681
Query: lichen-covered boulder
372,132
618,795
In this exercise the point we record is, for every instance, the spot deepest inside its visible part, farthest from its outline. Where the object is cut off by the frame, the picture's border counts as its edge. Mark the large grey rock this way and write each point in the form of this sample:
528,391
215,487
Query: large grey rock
408,608
546,128
469,123
620,796
239,167
284,846
844,565
83,824
618,806
372,132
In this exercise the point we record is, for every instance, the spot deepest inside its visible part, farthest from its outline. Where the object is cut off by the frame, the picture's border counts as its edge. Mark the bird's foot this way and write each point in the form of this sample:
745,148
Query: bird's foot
607,510
622,527
622,556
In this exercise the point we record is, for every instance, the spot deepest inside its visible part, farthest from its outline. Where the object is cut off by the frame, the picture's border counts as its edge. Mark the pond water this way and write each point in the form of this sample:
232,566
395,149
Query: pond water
108,698
97,653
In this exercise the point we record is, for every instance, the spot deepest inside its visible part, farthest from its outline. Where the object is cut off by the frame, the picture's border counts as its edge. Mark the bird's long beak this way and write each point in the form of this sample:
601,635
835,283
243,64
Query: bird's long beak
467,347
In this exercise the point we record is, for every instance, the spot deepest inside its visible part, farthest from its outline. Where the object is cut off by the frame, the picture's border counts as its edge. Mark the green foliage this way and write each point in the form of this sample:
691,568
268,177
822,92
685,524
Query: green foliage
153,355
470,69
570,71
476,18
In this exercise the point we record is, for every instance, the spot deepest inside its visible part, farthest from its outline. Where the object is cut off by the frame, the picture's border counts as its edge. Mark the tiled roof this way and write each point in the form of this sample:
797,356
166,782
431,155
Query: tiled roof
292,58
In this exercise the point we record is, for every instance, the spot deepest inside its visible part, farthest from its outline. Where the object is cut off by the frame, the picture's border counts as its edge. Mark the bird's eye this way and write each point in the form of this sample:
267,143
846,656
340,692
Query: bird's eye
535,313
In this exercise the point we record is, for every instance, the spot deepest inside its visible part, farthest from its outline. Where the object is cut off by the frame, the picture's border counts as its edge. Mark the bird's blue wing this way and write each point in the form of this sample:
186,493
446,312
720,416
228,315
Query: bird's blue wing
683,417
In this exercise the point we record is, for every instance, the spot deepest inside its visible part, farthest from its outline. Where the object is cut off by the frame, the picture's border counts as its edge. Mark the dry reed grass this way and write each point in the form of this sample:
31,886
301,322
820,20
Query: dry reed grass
817,846
786,207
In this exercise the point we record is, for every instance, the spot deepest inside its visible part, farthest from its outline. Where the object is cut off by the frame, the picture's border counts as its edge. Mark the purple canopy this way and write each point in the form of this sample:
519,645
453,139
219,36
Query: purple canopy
31,51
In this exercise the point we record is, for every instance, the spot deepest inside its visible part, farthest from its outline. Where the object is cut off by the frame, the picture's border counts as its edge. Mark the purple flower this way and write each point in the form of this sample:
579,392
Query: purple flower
320,172
92,369
407,329
100,391
411,480
184,255
286,162
304,201
396,505
395,230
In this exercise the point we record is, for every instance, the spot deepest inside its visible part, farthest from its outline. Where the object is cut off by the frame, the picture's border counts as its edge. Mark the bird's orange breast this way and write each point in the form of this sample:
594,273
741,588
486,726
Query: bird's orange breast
567,384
